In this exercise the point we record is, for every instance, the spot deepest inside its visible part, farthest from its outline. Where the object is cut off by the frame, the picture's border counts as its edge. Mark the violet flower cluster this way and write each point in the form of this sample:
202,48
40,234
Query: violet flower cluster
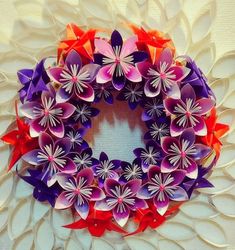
59,105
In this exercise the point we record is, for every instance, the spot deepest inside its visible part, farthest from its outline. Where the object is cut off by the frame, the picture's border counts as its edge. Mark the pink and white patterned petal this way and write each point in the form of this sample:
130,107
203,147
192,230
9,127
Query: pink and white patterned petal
206,105
167,142
174,91
201,151
131,72
111,184
175,128
104,48
121,217
73,61
165,57
62,202
55,74
167,166
187,138
62,95
151,91
128,47
170,105
58,129
103,205
35,128
200,127
97,194
144,192
104,74
133,186
67,109
64,144
88,72
69,167
161,205
82,209
187,92
87,175
179,195
45,140
140,204
153,171
192,169
32,157
28,109
88,94
178,176
66,181
144,68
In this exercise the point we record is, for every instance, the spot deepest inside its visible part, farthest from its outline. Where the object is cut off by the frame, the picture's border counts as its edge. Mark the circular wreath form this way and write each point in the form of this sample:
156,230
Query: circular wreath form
58,102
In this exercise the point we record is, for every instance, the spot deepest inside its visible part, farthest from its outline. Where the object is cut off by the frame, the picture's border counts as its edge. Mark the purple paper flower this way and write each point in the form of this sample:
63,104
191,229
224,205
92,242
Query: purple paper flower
121,199
34,81
131,171
83,114
78,192
162,188
153,108
103,91
53,156
41,191
163,76
150,155
197,80
74,79
183,153
118,60
47,115
158,129
132,92
188,112
83,159
76,138
106,169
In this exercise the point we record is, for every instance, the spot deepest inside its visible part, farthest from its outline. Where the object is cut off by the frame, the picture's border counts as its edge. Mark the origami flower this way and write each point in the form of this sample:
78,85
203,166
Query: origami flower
197,80
34,81
76,138
150,155
118,60
188,112
162,76
103,91
132,171
153,108
79,40
121,199
78,191
53,156
41,191
74,79
106,169
83,114
47,115
162,188
183,153
158,129
132,93
83,159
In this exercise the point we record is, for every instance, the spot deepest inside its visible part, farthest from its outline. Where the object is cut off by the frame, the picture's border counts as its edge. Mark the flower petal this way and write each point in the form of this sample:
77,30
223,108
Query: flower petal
103,157
167,57
73,59
139,56
58,129
167,142
179,195
129,46
188,135
151,91
144,192
45,140
170,104
206,105
67,109
116,39
201,151
62,95
104,74
88,94
161,205
88,72
121,215
69,166
36,128
192,169
174,91
200,127
187,92
87,175
25,75
144,68
32,157
63,179
62,202
111,184
133,186
175,128
97,194
133,74
82,209
178,176
55,74
104,48
167,166
119,78
139,203
102,205
28,109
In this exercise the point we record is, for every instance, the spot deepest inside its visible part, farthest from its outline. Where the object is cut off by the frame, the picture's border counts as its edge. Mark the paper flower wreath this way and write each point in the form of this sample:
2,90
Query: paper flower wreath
58,102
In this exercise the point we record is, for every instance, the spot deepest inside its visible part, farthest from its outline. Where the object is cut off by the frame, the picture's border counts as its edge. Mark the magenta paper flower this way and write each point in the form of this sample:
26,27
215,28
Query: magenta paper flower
52,156
79,191
121,199
163,188
163,75
183,153
74,79
47,115
188,112
118,60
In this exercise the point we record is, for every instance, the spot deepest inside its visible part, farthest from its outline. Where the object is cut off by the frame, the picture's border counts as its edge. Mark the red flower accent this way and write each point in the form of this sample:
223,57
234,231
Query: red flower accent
20,140
152,41
78,40
214,132
96,223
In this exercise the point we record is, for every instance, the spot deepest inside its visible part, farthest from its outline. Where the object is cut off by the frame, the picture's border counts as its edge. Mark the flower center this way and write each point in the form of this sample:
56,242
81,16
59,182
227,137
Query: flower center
50,158
120,200
46,112
117,60
183,154
162,187
162,75
74,79
77,191
188,113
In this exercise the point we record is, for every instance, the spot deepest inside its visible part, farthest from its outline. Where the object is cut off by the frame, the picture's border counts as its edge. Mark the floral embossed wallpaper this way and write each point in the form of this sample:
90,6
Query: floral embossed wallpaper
203,29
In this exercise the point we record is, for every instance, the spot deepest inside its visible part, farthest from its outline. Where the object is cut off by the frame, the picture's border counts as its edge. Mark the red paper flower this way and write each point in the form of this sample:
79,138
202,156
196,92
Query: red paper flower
78,40
20,140
214,132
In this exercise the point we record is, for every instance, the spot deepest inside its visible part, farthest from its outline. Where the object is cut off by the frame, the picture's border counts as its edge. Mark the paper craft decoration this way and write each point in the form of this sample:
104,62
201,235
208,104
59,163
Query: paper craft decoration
59,102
